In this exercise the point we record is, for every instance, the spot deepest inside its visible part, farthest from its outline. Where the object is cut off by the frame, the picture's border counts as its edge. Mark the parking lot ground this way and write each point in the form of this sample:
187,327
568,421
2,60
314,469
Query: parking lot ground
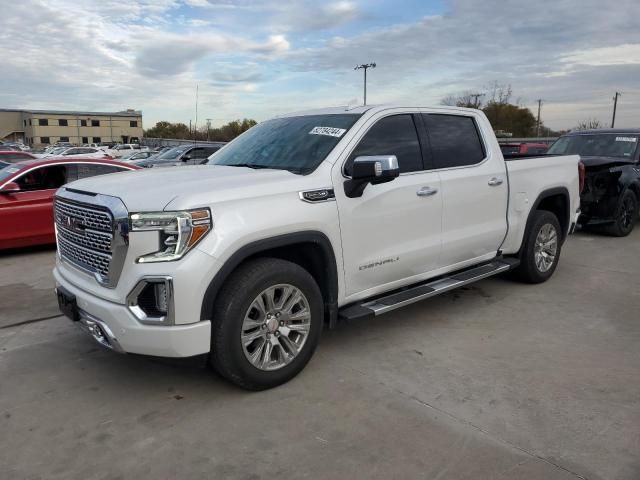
497,381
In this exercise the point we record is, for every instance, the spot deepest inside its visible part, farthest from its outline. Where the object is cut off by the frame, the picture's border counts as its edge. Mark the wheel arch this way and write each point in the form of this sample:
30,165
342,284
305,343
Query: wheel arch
312,250
555,200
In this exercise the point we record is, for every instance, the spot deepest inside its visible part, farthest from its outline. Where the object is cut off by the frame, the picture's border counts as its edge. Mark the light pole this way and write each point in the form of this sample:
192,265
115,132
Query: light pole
364,67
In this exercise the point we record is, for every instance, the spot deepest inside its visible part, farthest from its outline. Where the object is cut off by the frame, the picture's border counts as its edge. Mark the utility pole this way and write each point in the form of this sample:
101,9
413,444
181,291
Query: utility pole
476,96
538,121
208,127
615,106
364,67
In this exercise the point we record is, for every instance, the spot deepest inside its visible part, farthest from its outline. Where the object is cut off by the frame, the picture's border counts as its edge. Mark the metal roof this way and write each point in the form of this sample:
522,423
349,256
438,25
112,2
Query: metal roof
133,113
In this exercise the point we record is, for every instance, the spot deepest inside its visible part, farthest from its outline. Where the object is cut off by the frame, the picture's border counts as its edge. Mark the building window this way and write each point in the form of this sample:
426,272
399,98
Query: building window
63,123
133,123
97,140
85,139
29,122
25,123
83,123
95,123
44,139
43,122
64,139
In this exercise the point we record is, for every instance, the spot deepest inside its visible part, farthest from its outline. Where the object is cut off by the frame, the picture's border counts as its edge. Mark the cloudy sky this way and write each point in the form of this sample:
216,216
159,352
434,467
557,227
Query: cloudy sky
261,58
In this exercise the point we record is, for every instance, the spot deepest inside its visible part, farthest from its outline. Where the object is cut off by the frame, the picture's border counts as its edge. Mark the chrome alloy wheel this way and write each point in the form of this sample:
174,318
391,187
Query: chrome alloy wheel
276,327
546,247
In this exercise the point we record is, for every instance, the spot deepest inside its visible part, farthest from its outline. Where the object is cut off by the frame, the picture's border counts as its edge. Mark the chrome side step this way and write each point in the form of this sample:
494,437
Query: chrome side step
423,291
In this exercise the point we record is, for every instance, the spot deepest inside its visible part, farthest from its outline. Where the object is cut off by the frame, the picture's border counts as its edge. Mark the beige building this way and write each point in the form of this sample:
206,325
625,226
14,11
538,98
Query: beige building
42,127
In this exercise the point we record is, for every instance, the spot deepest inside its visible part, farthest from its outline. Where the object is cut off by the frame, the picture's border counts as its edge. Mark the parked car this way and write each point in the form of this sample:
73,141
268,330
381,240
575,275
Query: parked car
138,155
182,155
10,156
524,148
26,195
611,192
122,149
19,146
85,152
301,219
8,148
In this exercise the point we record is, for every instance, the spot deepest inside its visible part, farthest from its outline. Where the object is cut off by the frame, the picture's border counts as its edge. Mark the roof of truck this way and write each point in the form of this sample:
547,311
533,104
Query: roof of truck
360,109
630,131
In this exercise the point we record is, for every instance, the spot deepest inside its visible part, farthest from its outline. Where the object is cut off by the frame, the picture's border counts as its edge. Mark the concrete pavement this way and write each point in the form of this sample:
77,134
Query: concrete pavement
497,381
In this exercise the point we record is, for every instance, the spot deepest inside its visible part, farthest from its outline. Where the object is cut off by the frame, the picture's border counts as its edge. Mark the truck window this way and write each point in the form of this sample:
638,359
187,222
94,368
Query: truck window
394,135
454,140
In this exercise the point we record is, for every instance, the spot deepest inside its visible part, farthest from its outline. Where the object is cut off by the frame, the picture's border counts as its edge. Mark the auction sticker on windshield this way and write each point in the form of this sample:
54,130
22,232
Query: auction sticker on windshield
626,139
330,131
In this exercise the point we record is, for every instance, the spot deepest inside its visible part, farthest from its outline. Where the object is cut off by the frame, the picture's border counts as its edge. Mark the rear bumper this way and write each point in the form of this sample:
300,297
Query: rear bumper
114,326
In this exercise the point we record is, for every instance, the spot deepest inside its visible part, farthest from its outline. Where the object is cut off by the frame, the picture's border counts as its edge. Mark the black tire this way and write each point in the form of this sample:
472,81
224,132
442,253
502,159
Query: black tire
528,271
625,217
241,289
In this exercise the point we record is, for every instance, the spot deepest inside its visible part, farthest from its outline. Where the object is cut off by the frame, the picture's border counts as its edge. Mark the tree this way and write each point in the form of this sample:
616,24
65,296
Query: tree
466,99
588,124
180,131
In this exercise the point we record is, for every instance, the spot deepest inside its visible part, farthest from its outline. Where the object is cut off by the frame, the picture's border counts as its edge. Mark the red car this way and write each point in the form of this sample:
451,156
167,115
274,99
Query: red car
13,156
524,148
26,195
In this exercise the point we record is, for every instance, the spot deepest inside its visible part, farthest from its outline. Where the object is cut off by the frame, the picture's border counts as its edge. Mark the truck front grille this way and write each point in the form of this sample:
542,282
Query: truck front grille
85,235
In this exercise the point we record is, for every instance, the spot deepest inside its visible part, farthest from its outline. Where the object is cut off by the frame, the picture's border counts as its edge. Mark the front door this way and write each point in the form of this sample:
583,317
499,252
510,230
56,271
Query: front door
391,235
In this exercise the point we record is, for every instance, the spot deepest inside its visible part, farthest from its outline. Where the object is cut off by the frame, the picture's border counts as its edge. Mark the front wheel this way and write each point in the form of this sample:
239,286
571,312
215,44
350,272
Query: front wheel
625,215
541,249
266,325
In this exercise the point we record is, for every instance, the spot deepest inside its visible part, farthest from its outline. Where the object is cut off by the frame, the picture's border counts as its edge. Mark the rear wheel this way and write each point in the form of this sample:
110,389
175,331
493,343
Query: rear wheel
541,249
266,324
625,215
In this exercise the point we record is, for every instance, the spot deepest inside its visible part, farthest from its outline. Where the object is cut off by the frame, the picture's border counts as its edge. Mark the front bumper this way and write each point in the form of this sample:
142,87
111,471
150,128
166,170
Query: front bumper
114,326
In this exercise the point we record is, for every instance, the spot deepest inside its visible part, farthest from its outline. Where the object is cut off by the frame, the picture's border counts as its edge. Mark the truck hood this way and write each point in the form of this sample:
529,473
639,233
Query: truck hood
177,188
599,163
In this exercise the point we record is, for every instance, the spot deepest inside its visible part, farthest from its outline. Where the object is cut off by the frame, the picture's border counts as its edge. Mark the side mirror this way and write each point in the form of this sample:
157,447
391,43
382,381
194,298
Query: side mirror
11,187
370,169
186,158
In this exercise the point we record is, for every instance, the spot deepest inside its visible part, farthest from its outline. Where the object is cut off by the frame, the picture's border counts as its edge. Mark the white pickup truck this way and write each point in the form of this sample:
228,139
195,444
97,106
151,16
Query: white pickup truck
300,221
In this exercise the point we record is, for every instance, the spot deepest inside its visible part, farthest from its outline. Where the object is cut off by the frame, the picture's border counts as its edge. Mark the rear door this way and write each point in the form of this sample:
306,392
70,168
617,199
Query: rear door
474,189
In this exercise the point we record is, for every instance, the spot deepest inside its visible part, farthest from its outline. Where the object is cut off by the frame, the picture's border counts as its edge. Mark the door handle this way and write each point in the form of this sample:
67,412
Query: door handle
426,191
495,181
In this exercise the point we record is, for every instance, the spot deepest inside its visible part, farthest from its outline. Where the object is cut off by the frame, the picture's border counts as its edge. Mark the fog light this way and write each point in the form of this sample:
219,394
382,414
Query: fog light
151,301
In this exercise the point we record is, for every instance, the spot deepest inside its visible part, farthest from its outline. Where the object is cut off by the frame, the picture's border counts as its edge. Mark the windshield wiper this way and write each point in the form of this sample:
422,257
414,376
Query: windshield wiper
248,165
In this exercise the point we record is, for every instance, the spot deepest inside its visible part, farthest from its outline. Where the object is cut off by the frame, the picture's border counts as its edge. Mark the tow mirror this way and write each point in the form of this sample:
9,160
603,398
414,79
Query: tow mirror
370,169
11,187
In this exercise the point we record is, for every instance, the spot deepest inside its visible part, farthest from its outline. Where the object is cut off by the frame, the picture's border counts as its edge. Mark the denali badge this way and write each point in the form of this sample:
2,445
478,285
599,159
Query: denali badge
379,263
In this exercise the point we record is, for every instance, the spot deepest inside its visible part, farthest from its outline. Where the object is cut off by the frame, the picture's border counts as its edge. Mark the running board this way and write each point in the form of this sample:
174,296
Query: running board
426,290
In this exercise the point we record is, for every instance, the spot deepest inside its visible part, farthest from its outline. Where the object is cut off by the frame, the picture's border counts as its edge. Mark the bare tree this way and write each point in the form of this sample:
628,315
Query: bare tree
499,93
589,124
466,99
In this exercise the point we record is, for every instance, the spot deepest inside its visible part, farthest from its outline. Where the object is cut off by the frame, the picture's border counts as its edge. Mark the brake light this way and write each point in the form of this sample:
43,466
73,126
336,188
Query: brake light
581,175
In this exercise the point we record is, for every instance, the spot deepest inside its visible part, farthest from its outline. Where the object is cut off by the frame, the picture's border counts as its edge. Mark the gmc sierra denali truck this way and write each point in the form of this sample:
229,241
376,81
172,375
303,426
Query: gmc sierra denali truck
300,221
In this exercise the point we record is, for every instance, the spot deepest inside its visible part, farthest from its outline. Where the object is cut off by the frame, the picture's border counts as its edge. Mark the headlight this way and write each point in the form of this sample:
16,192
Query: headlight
179,232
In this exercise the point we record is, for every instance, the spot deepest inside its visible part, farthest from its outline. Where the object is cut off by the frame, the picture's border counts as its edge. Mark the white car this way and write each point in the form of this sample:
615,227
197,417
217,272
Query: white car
302,220
85,152
125,148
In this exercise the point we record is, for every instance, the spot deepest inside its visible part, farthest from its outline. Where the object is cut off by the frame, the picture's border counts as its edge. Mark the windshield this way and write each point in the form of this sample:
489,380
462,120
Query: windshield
596,145
6,171
297,144
173,153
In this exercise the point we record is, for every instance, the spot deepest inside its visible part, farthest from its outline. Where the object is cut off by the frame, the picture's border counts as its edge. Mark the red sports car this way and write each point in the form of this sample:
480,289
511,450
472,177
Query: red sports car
26,194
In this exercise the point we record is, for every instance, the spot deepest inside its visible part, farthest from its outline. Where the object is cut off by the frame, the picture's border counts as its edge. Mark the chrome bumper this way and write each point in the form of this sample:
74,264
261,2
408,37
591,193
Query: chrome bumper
99,330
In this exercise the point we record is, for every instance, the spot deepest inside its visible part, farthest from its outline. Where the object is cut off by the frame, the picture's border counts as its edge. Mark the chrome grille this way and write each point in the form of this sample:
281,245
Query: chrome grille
84,235
90,217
